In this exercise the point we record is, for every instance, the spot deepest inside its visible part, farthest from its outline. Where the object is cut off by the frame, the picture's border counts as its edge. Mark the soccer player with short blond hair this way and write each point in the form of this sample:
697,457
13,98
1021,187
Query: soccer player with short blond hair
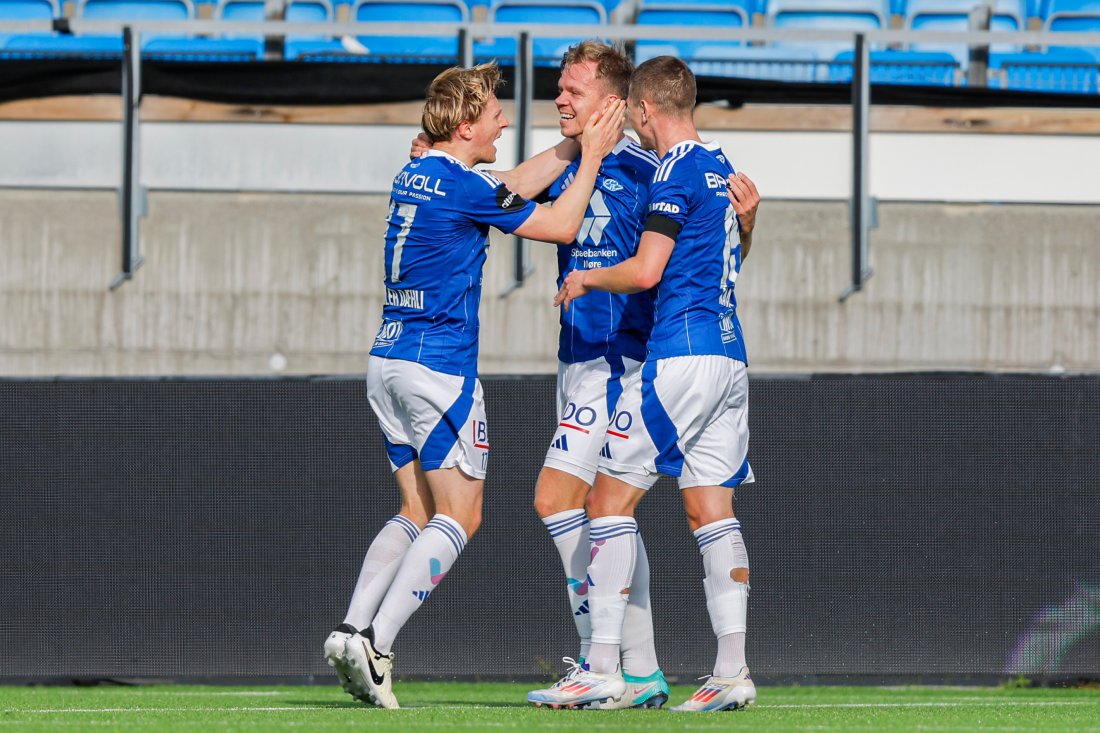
422,377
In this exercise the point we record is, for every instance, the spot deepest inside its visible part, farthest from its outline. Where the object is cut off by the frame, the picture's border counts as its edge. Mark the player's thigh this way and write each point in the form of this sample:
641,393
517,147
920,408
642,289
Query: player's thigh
445,415
457,495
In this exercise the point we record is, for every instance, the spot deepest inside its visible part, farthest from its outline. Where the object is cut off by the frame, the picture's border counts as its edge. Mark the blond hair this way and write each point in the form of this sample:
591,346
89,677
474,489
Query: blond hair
458,95
612,64
667,83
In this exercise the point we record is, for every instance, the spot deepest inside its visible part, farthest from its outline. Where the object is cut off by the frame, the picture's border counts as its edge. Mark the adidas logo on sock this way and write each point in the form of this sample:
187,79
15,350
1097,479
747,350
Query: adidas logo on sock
560,444
422,595
605,452
582,609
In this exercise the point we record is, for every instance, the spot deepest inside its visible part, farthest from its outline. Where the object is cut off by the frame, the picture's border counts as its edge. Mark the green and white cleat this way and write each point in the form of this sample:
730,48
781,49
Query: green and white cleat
642,692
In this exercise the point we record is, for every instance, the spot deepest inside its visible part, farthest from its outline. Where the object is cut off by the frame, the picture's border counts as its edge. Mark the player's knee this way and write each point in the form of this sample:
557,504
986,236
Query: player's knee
740,575
545,505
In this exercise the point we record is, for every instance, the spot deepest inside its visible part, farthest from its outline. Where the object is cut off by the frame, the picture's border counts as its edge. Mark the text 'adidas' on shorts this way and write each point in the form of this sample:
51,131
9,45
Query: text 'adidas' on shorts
688,416
436,417
587,393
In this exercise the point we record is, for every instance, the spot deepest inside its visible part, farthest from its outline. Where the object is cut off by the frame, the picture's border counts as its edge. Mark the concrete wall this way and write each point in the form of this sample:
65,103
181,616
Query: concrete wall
233,283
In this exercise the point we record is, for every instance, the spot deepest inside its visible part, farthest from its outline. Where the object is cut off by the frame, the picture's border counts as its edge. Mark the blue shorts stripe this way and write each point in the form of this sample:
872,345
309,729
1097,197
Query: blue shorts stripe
738,478
615,381
399,455
445,434
662,431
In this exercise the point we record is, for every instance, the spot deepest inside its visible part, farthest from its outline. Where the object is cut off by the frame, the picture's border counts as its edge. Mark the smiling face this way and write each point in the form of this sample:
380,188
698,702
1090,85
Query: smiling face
486,130
580,93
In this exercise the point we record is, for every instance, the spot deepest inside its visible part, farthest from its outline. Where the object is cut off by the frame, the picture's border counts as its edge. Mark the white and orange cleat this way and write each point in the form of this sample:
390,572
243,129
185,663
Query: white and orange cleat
581,688
721,693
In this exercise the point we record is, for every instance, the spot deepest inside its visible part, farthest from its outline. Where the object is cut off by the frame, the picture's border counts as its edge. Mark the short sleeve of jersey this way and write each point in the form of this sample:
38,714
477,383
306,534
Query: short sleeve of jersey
488,201
670,199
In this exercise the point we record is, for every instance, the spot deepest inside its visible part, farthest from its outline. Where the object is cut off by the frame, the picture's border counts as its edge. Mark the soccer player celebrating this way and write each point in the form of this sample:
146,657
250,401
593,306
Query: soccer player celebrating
688,415
601,346
422,377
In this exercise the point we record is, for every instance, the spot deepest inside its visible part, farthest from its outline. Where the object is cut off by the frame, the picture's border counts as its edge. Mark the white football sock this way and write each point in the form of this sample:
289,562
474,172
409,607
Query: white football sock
614,548
425,565
639,653
723,550
569,530
379,566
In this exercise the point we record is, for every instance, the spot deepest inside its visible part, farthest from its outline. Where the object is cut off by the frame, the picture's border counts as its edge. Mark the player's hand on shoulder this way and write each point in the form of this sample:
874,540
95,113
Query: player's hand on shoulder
572,288
745,199
603,129
420,145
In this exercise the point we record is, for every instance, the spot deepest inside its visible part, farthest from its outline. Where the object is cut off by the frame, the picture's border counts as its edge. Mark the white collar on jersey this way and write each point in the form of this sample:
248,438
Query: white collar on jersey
685,144
622,145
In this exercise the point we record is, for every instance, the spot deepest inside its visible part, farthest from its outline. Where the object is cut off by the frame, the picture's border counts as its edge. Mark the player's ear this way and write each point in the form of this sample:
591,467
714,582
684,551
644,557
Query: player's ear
465,130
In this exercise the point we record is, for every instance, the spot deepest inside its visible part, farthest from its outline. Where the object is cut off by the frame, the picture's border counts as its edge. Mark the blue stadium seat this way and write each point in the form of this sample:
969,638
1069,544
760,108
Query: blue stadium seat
848,15
778,63
1056,70
545,51
47,45
919,68
1068,16
952,15
700,13
26,10
404,14
296,11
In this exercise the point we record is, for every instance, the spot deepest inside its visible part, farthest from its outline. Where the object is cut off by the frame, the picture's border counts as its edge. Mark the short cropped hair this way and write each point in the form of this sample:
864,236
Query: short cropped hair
458,95
612,64
667,82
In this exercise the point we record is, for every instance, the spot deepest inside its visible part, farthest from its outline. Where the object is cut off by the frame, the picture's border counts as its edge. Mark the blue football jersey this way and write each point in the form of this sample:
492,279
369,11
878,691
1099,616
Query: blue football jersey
436,242
607,324
696,311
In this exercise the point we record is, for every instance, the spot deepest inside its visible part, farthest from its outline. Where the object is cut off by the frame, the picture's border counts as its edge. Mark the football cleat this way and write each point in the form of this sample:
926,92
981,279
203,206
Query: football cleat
370,670
650,691
721,693
581,688
335,655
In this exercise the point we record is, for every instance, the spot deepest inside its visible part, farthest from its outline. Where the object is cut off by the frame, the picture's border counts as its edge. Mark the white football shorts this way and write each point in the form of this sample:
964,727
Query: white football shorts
436,417
688,416
587,393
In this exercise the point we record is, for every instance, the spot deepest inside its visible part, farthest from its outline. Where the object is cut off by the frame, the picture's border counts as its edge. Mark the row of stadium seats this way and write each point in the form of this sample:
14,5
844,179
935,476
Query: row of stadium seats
1060,68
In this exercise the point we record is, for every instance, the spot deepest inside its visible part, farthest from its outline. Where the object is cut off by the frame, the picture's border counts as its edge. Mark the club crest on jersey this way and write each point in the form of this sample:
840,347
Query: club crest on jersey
664,207
508,200
612,185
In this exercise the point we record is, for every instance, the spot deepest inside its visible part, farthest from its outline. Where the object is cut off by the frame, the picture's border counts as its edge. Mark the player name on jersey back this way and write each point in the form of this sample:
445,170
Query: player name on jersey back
437,235
696,310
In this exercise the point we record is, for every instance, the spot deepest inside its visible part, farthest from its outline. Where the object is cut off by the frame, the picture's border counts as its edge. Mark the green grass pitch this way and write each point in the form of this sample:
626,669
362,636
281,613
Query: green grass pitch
446,706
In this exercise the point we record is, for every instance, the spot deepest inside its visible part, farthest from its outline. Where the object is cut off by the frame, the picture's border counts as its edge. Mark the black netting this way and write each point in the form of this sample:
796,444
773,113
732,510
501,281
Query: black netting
900,525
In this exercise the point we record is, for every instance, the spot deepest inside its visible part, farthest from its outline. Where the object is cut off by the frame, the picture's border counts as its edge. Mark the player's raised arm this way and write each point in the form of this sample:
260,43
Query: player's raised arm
745,200
640,272
533,176
561,222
